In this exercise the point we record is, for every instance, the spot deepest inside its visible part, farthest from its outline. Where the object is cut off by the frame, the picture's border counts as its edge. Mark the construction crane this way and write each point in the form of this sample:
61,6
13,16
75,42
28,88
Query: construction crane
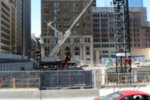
122,36
63,37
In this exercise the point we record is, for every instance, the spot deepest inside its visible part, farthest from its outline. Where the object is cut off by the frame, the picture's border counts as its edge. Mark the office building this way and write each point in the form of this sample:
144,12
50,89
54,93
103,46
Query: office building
26,27
103,31
15,26
5,26
79,45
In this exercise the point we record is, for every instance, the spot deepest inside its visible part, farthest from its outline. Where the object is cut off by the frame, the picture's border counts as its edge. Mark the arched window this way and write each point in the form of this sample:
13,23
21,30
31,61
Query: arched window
76,51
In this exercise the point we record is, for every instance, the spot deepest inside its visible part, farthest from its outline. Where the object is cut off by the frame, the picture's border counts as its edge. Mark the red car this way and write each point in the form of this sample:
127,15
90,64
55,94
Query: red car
126,95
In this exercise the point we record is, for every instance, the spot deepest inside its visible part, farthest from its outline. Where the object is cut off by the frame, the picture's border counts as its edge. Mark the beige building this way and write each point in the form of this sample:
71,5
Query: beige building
5,27
11,26
145,53
63,12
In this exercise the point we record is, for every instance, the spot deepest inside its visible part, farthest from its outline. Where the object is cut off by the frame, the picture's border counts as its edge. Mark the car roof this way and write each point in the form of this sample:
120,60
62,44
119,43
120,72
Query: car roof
132,92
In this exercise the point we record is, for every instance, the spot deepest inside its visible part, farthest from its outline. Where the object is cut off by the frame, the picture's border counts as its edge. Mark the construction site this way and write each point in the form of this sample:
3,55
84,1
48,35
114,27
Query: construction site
83,52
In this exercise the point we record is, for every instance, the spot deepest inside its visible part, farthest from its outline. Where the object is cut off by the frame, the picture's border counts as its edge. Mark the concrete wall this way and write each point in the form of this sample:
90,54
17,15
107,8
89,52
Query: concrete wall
16,66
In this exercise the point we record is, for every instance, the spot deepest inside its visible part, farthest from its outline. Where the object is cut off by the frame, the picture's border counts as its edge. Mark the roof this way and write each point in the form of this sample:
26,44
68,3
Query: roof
132,92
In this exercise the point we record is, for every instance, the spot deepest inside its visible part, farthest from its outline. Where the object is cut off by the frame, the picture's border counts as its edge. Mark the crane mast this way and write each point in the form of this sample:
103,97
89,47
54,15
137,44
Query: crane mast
122,36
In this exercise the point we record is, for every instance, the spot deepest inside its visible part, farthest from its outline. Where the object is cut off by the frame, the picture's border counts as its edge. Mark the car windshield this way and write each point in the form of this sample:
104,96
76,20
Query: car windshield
111,96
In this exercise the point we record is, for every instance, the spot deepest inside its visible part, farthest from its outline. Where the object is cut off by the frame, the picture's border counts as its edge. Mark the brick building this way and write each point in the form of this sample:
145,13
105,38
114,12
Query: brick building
63,12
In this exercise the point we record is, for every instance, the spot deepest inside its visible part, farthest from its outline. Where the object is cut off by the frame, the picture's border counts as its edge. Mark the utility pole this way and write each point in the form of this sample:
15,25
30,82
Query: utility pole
122,36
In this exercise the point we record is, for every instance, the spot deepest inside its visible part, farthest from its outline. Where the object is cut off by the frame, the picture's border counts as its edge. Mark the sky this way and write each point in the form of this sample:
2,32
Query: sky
36,13
36,17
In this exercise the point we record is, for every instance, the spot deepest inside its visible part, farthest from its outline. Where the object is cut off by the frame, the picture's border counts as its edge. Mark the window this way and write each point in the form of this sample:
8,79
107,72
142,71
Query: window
6,42
46,18
112,96
66,4
76,11
46,4
66,11
75,4
104,20
87,18
76,40
46,11
5,12
5,6
77,51
105,51
54,41
95,20
5,24
5,30
45,26
86,25
57,26
76,32
66,18
127,98
66,25
87,40
87,50
5,18
74,18
85,3
67,51
103,15
5,36
56,4
57,11
104,25
56,18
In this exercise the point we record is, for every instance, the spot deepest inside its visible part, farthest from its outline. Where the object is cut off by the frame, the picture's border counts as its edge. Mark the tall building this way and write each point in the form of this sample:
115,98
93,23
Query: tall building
103,30
26,27
14,30
5,27
79,45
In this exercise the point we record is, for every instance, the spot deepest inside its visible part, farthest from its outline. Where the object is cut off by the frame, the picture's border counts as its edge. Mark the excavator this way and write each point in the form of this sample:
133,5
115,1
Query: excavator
50,61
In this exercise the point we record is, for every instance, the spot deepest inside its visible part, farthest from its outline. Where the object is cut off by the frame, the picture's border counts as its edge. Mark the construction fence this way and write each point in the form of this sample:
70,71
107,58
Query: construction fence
70,79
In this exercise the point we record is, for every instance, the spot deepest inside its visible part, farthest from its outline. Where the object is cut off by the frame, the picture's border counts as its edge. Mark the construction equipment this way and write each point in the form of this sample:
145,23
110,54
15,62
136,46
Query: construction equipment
63,37
122,36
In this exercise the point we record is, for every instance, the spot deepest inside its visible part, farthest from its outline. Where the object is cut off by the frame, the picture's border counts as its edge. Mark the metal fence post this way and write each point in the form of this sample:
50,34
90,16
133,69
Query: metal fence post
69,78
14,82
94,78
57,78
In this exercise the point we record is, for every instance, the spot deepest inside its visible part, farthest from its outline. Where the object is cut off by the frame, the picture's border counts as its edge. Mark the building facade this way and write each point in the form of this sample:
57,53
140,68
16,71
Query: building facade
103,30
5,27
14,30
26,27
79,45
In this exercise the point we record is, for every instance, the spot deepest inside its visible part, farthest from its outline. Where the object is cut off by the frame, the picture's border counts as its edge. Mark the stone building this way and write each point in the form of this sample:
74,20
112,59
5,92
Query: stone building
80,44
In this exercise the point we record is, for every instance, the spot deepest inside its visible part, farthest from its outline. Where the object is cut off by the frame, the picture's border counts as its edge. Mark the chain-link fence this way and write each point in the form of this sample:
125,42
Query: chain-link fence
71,79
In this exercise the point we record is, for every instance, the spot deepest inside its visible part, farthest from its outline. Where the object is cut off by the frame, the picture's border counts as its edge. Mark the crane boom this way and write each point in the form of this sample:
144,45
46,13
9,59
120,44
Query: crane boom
62,38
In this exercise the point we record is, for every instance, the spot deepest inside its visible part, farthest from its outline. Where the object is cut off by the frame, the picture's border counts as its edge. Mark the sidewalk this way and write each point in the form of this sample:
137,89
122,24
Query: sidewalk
71,94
